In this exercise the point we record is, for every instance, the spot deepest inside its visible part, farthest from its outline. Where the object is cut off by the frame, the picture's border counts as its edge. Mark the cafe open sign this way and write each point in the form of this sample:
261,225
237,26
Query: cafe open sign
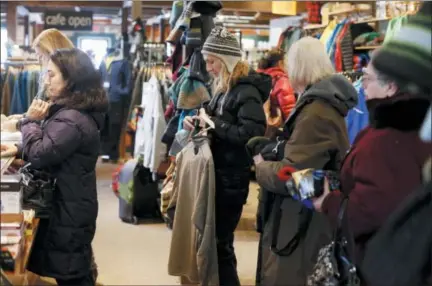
69,20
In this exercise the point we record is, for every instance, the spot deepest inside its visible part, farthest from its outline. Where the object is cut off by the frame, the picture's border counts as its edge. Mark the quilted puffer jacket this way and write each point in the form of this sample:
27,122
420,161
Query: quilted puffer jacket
282,92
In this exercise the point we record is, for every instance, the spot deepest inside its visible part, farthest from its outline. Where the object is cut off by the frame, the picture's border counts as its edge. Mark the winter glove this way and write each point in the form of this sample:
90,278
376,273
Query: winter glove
255,145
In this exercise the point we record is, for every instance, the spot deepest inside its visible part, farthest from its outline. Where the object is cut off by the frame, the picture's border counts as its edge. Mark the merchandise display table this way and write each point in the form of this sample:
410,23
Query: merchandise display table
5,163
21,276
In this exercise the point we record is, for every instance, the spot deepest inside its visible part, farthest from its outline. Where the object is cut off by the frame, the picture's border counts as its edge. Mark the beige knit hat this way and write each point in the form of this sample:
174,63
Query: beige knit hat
224,45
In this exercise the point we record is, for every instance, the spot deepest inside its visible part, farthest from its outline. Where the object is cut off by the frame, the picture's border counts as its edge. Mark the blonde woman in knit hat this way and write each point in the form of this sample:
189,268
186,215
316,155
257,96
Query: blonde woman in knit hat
236,109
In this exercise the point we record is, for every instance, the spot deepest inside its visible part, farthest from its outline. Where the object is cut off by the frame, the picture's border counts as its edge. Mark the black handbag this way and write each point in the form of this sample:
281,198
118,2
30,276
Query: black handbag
335,265
38,190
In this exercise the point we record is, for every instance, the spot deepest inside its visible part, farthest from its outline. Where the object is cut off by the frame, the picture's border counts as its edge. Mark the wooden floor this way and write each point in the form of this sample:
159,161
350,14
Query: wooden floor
138,254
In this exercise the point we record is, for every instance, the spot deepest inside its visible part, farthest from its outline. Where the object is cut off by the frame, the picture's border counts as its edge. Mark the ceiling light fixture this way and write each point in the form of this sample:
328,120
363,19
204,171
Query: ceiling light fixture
232,17
246,26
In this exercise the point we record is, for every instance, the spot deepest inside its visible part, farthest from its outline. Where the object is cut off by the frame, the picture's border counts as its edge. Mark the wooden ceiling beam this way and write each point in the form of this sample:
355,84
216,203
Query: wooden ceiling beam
110,4
262,17
251,32
156,4
248,6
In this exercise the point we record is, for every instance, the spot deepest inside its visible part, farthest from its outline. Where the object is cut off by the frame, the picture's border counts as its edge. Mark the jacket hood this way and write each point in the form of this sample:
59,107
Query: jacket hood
401,112
261,81
93,100
336,90
99,118
273,72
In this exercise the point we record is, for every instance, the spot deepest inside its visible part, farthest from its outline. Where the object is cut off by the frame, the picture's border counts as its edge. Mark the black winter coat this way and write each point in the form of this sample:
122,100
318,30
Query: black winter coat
241,119
67,145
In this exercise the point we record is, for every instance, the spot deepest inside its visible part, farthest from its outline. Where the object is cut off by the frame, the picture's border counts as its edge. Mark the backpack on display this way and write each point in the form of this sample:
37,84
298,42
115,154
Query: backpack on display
138,193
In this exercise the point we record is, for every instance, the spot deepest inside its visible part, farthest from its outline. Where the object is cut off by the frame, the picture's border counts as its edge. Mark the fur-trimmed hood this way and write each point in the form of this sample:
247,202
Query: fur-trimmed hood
93,102
401,112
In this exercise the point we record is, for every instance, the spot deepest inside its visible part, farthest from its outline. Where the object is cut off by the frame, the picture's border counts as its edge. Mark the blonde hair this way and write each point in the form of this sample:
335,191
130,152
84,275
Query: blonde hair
51,40
225,81
308,63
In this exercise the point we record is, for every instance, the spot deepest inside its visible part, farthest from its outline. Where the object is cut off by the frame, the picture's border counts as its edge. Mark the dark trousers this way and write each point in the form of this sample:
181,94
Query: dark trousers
227,218
116,117
82,281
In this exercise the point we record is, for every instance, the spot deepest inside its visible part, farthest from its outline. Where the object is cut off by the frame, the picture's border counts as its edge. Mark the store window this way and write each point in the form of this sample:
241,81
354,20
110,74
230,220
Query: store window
247,44
3,45
96,48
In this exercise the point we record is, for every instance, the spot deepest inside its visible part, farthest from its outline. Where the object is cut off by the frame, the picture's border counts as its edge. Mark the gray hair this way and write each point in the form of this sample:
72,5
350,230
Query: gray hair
308,62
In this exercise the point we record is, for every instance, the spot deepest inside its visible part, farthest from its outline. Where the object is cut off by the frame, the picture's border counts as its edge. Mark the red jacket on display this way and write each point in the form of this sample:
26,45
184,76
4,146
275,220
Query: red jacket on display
282,91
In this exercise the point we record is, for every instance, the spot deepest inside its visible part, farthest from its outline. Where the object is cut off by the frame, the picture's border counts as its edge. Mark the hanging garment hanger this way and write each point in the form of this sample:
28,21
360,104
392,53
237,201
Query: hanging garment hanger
197,133
203,115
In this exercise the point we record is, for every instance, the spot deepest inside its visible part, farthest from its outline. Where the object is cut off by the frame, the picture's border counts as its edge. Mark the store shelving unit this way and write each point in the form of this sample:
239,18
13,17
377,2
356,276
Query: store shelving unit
367,47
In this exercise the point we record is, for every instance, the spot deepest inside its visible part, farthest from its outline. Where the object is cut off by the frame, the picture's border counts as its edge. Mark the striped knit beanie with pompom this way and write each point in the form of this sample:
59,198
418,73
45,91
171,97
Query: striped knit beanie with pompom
223,45
407,56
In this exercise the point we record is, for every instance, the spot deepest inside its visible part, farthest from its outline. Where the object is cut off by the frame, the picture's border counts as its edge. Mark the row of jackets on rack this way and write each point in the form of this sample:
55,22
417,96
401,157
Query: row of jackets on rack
150,126
338,42
147,116
19,88
340,37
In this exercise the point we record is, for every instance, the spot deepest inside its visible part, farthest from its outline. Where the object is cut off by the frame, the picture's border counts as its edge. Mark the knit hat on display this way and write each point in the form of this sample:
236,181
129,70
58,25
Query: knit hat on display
176,11
181,25
224,45
408,54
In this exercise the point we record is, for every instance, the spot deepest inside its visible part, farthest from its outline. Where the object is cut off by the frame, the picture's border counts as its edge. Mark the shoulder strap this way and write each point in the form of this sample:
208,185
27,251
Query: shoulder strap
274,102
91,119
305,217
274,81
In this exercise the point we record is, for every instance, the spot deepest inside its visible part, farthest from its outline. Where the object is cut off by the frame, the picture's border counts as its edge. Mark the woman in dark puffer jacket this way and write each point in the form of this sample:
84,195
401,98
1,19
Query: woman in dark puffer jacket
66,144
236,109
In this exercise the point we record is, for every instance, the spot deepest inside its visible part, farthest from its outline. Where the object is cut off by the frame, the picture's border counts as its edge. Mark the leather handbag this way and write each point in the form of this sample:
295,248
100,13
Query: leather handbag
335,265
272,110
273,114
38,190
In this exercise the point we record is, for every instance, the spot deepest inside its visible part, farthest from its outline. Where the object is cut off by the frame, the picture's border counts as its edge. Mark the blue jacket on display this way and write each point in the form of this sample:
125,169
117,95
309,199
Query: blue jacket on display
358,117
19,103
116,74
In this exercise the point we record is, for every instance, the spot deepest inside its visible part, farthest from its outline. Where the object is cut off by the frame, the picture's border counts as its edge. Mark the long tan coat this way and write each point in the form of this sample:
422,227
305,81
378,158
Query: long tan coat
193,244
316,138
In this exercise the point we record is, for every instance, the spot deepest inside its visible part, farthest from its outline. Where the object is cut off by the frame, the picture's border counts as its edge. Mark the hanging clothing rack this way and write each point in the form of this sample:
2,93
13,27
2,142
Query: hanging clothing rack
20,83
21,63
352,75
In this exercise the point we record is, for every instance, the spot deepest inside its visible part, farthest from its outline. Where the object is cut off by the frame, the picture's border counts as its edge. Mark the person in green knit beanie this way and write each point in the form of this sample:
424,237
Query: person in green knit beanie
400,253
407,55
384,169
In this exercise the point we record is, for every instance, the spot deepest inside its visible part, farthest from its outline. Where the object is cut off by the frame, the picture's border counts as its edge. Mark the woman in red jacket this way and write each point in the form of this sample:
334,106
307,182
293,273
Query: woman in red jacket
282,96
